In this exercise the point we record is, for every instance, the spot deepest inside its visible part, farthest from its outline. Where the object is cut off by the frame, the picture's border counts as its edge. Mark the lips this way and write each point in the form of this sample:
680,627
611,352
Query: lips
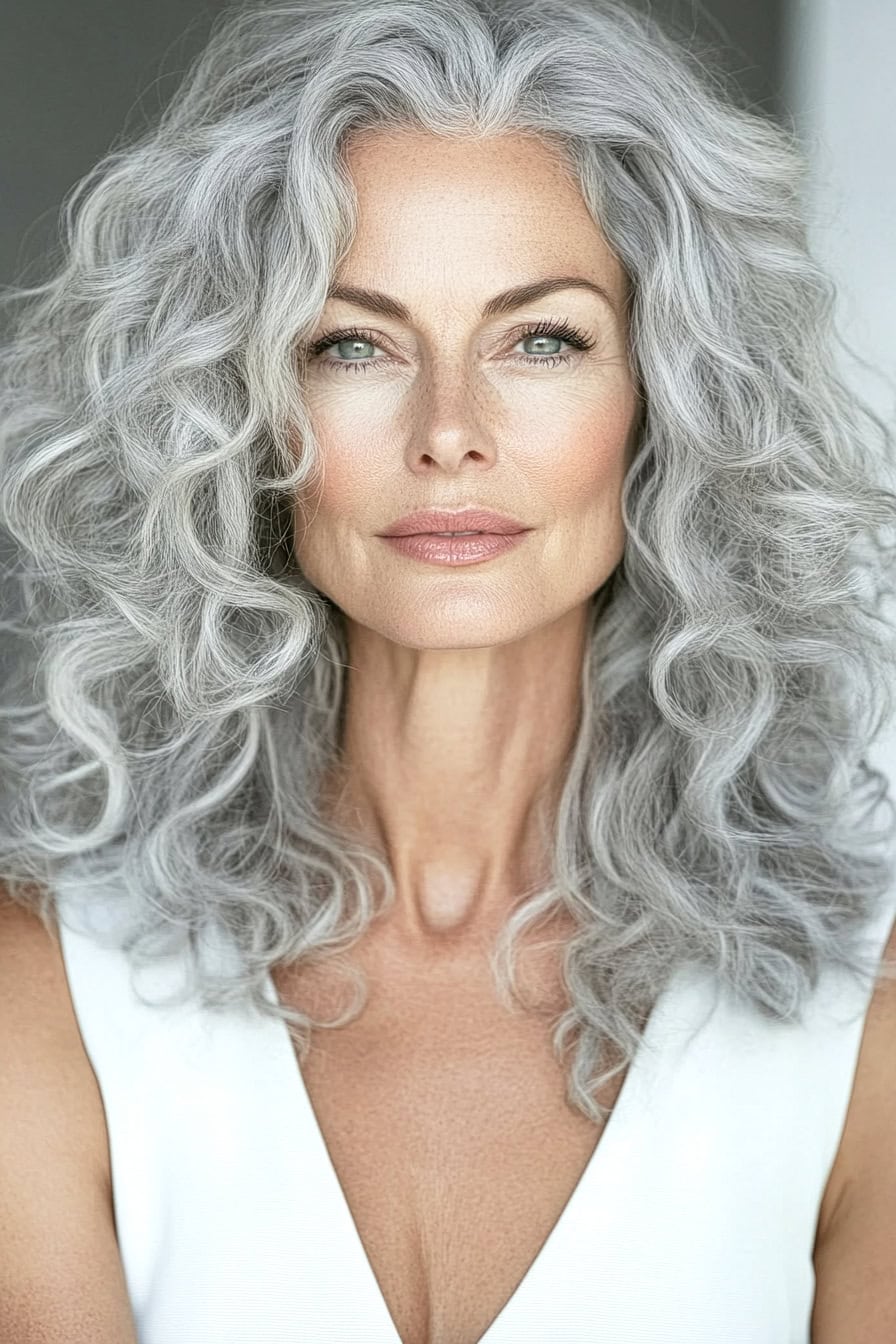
435,549
436,521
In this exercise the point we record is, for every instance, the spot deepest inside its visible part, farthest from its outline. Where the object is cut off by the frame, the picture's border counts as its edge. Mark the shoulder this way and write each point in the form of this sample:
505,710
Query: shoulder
41,1049
871,1116
855,1285
61,1276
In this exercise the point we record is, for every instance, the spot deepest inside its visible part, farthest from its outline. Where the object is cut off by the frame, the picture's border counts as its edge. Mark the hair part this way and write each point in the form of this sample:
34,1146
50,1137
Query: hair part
173,699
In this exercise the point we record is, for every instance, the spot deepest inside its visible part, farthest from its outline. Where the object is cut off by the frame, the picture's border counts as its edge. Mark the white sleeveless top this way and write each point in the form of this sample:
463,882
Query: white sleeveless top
694,1221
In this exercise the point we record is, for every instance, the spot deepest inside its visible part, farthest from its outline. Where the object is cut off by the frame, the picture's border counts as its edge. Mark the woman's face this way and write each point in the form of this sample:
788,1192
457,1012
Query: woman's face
452,408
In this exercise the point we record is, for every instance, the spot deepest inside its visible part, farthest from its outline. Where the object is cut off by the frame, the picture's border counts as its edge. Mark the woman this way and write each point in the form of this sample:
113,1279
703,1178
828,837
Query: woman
436,509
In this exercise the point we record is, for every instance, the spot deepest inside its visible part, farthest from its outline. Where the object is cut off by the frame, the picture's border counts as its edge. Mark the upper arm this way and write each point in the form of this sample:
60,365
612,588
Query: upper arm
855,1264
61,1277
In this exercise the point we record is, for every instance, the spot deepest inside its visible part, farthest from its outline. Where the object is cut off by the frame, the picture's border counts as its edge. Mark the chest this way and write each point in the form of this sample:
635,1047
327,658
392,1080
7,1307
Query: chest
447,1125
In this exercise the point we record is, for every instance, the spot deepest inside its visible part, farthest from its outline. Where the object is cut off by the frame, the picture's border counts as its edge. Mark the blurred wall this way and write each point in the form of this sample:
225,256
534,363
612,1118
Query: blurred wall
71,76
838,78
837,68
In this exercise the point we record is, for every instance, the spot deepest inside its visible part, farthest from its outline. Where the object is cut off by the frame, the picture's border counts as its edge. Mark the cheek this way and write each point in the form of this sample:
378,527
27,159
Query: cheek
347,482
577,459
341,487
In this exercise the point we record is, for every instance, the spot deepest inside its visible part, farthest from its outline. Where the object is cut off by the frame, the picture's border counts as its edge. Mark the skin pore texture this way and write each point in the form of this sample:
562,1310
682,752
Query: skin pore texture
464,682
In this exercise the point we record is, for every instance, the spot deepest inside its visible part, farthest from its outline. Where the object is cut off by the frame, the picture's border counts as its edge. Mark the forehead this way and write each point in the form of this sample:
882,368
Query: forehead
387,152
485,205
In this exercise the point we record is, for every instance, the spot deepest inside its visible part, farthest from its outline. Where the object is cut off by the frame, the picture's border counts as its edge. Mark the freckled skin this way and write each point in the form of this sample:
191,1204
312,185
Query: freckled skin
464,682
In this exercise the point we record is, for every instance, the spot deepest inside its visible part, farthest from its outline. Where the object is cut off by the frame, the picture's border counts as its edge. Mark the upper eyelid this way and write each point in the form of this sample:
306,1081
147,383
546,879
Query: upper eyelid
354,331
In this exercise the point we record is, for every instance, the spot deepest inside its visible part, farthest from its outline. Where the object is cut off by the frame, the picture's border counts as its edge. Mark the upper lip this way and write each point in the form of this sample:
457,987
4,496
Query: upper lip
443,520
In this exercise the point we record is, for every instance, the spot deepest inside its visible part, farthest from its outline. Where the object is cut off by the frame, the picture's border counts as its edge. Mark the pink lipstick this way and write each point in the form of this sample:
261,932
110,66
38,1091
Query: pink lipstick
465,537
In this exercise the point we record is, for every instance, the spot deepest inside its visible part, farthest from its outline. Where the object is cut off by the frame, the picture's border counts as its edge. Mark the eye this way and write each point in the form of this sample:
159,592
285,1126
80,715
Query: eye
351,338
545,332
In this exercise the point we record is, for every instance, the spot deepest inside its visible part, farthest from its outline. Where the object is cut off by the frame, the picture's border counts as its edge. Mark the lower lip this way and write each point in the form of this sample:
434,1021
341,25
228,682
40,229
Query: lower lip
455,550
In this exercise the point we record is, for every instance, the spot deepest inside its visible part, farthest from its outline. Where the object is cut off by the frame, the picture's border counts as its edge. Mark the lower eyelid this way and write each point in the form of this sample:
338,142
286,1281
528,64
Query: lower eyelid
548,361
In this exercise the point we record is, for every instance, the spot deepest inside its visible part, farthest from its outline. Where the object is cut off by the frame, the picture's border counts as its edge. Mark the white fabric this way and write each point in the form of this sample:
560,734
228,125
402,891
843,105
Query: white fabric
693,1223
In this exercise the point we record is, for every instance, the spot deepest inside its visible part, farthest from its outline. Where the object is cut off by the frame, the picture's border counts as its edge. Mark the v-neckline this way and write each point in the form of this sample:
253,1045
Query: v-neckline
294,1086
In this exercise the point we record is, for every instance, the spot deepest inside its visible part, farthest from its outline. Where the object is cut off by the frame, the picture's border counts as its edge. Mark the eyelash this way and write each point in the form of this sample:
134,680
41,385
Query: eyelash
547,327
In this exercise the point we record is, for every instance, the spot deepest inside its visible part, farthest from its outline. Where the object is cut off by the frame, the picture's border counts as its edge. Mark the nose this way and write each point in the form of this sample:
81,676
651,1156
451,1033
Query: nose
450,427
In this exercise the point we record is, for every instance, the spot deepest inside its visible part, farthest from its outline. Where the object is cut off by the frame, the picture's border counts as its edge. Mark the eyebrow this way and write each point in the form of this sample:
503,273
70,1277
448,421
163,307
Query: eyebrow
505,302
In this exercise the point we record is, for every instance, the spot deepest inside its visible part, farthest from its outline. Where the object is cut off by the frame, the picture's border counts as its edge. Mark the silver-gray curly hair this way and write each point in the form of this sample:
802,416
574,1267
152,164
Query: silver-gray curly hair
174,684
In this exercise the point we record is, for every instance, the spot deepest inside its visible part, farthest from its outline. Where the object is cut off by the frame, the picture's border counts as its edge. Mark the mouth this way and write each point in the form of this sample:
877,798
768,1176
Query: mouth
455,548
